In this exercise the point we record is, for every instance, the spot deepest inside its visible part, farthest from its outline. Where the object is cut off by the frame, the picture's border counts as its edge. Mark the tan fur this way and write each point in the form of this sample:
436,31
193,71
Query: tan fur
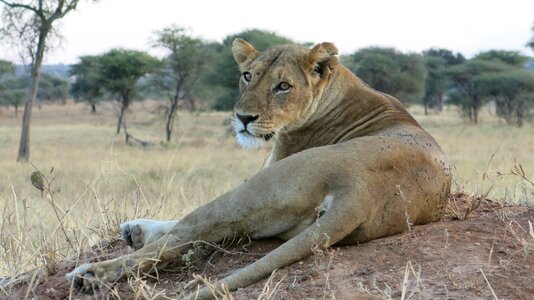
334,138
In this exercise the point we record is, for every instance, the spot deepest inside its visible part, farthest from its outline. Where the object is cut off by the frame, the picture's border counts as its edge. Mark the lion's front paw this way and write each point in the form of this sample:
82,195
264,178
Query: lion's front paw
89,277
83,279
138,233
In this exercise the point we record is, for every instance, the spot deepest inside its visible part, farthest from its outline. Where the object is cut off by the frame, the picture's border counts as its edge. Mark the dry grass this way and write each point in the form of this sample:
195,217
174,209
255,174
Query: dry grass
102,181
481,154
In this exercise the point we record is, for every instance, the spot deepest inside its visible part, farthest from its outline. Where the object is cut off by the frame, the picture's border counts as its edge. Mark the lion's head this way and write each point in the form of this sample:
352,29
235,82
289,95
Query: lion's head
279,88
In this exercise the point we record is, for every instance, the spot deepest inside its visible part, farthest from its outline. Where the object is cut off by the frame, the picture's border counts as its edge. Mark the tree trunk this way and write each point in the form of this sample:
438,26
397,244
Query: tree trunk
124,104
425,103
171,114
440,102
192,105
24,146
121,116
470,114
170,118
93,108
519,115
475,114
509,111
16,111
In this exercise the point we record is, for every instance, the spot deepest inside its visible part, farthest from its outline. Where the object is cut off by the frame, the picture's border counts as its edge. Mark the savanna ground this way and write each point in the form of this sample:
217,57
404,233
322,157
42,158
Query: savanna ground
99,182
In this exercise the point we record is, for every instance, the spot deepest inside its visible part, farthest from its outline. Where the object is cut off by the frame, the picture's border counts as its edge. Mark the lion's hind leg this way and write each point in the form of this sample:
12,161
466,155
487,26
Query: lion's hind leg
337,222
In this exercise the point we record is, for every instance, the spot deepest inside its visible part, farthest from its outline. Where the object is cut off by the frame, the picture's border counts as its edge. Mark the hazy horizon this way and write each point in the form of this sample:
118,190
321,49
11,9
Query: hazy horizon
467,28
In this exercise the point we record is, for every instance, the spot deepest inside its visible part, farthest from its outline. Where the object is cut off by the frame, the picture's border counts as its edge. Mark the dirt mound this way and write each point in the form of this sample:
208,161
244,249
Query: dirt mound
483,256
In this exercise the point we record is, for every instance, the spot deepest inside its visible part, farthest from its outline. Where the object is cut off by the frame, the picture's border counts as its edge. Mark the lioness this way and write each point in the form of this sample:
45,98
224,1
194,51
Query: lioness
348,165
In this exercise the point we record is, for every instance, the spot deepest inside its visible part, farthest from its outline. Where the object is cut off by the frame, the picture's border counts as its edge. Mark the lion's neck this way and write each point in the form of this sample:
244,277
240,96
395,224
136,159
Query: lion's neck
347,109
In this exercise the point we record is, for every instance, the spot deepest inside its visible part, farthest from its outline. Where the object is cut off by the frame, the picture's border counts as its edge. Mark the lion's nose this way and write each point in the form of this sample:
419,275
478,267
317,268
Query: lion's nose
245,119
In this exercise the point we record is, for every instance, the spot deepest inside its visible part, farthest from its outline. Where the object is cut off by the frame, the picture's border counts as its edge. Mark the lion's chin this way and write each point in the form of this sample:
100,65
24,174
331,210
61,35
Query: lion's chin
249,141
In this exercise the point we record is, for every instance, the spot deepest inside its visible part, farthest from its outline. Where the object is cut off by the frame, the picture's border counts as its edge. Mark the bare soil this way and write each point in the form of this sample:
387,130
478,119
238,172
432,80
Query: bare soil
484,255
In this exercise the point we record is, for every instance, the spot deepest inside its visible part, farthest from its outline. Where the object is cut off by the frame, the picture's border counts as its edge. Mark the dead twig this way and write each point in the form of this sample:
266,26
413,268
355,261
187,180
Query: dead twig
129,137
489,285
517,170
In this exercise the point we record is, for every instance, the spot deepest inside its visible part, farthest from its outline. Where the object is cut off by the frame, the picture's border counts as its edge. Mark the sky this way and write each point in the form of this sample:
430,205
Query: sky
465,26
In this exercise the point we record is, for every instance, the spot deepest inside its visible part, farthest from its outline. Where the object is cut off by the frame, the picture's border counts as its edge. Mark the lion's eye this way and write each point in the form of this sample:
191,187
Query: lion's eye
283,86
247,76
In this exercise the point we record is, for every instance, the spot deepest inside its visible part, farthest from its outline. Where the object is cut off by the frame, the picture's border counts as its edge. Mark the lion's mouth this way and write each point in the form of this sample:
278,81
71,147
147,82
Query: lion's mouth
266,137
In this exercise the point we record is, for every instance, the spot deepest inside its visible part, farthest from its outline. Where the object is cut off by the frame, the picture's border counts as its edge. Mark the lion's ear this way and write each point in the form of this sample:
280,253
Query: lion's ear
244,53
322,58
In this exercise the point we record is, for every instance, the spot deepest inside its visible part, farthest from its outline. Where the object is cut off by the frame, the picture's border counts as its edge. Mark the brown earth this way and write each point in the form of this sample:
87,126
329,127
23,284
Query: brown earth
484,256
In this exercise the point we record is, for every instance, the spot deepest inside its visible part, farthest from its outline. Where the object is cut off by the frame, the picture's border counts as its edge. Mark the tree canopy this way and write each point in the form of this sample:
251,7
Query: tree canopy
119,70
391,71
438,81
447,55
195,73
181,70
52,88
10,92
512,58
116,72
183,64
513,92
87,84
466,92
13,89
6,67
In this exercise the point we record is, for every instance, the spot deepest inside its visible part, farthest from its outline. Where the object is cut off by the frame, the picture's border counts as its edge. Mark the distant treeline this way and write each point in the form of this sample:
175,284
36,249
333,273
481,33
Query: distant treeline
197,74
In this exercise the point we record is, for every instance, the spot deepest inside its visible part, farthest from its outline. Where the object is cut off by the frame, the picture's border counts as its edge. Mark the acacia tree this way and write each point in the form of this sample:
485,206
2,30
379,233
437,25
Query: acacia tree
6,67
512,90
511,87
12,92
181,70
29,25
119,70
86,86
511,58
52,88
9,94
390,71
466,90
438,82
